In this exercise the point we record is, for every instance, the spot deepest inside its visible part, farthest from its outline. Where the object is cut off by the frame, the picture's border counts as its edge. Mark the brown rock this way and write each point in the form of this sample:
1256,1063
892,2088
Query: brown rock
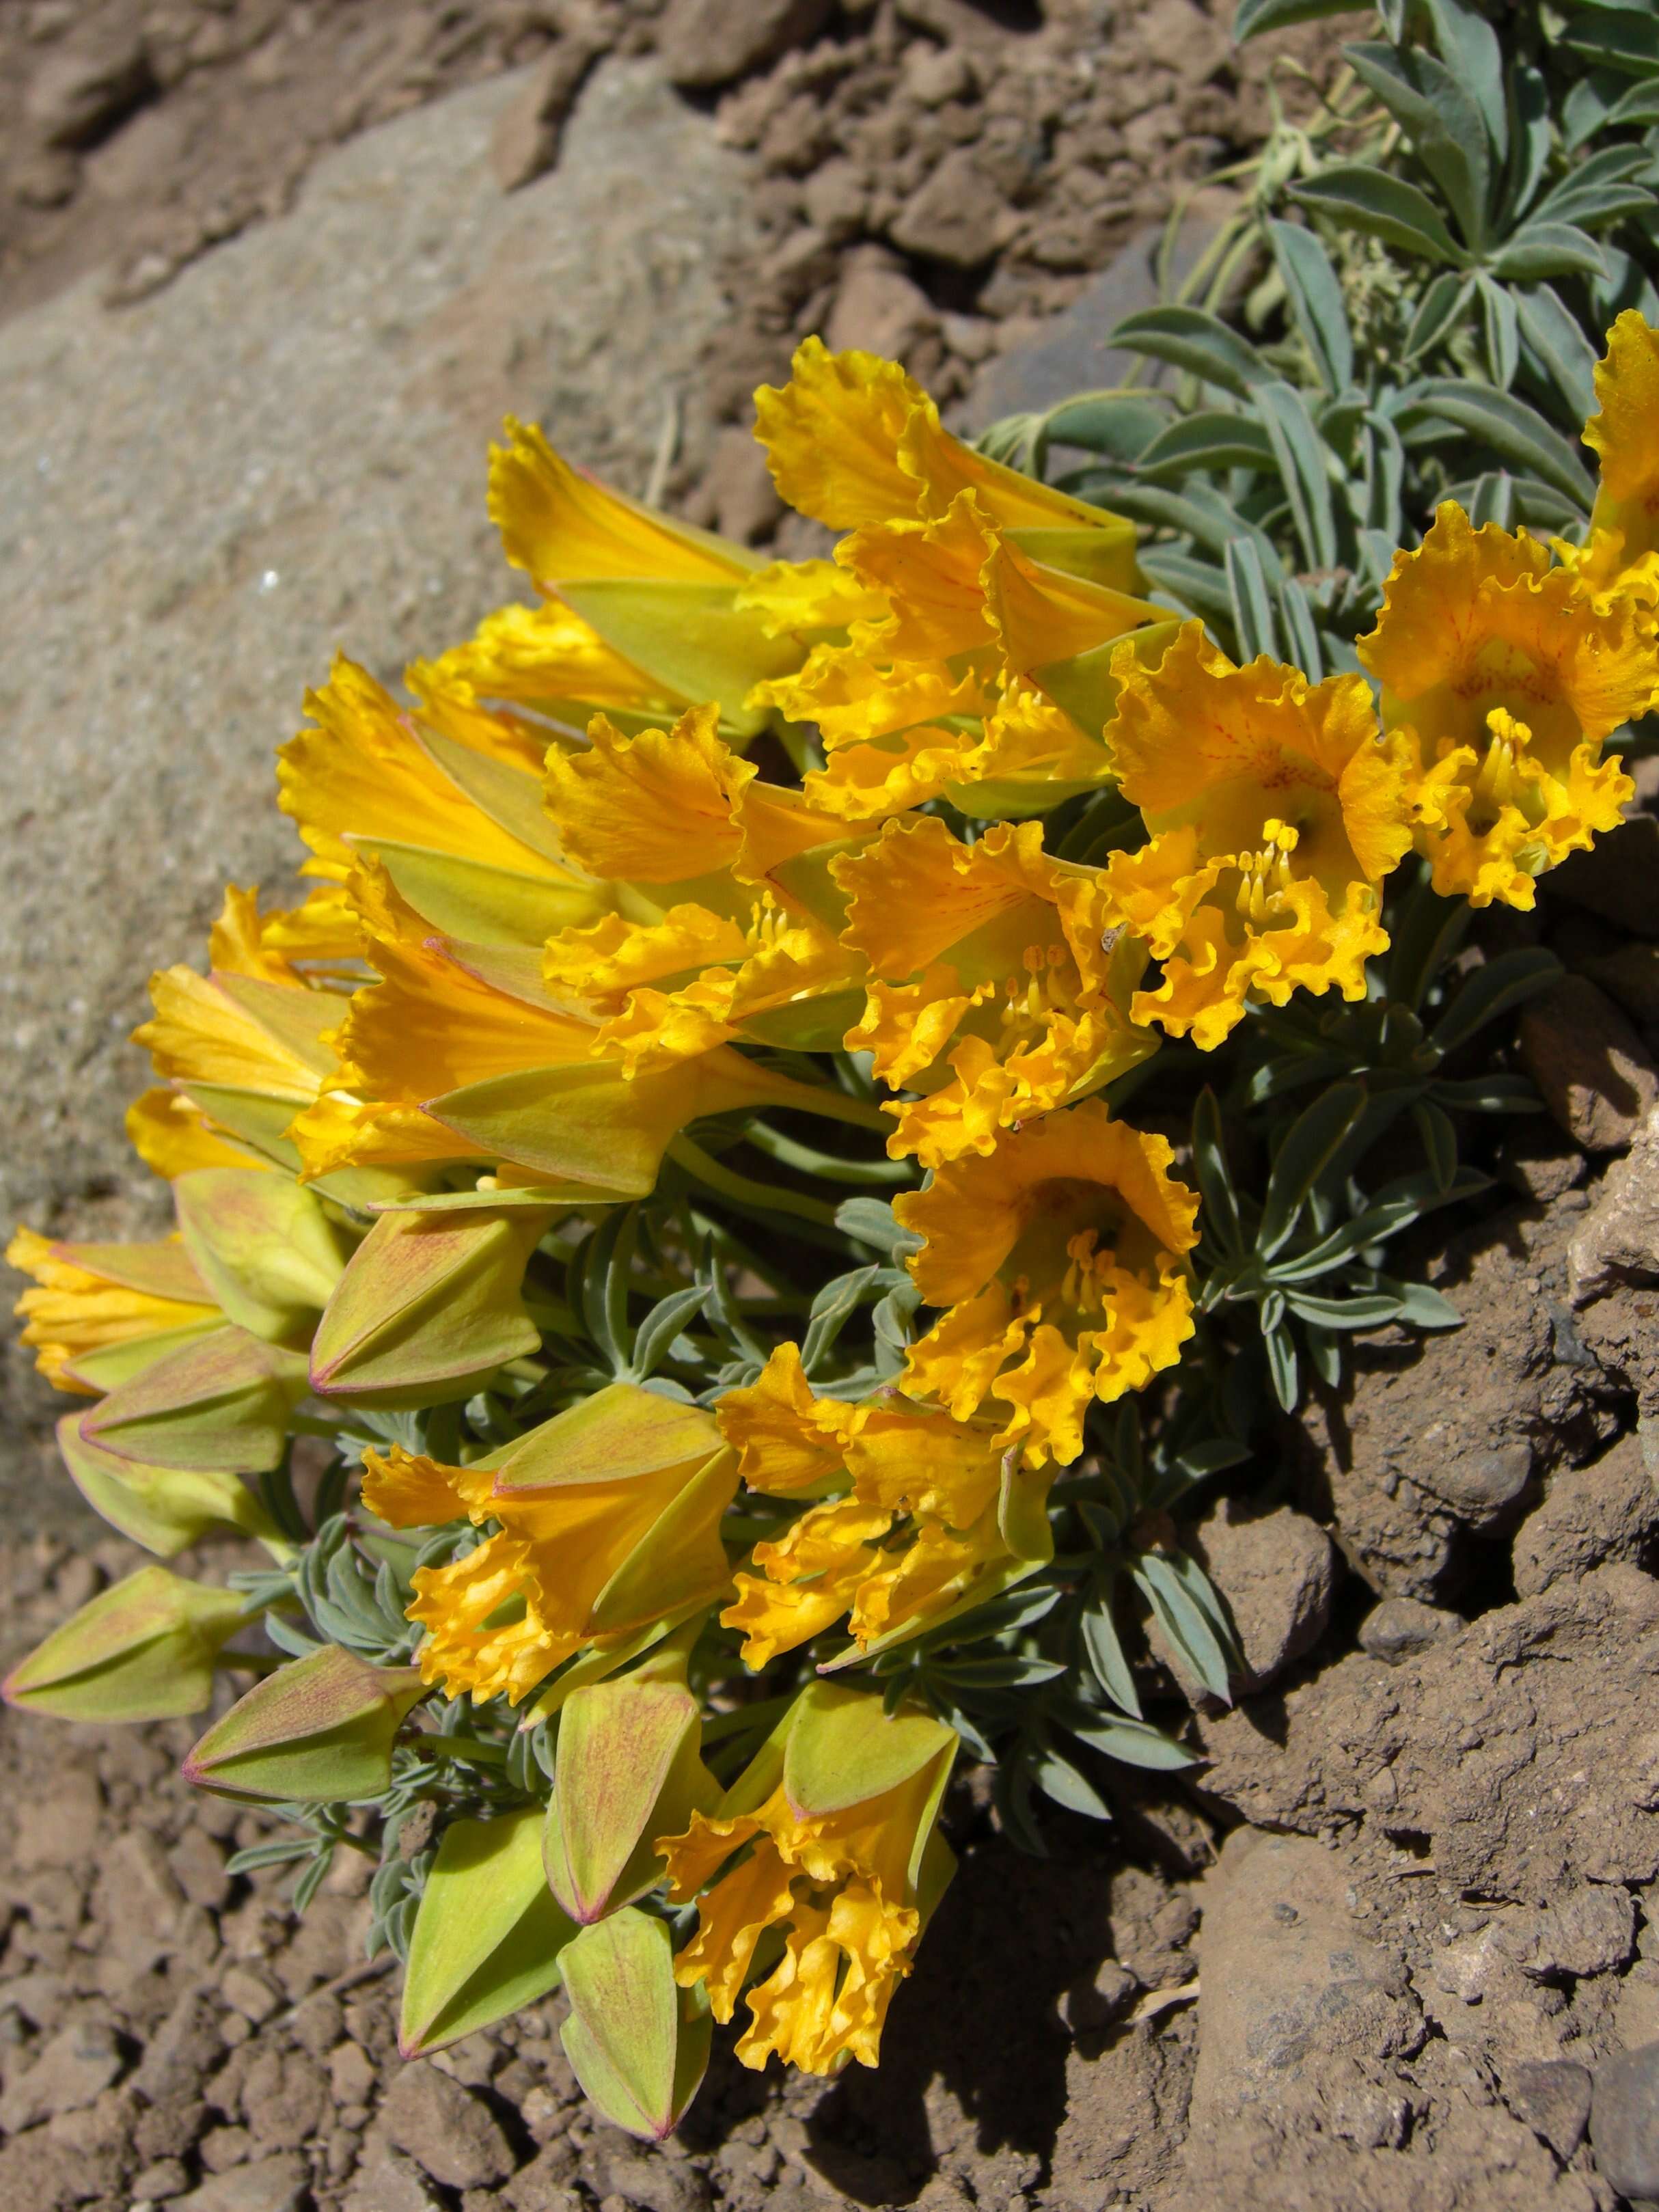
1277,1572
1552,2096
1184,38
1547,1703
706,43
958,216
1606,1511
275,2185
1618,1240
1594,1073
449,2133
836,196
1624,2121
878,308
388,2183
1291,1983
284,2096
1592,1931
525,144
79,95
739,488
184,2048
1401,1626
76,2067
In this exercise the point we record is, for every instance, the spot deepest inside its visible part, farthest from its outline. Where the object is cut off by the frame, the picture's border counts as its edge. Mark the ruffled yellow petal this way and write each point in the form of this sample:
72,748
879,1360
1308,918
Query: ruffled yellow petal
173,1137
1011,1005
362,776
89,1298
851,440
797,597
786,1439
1625,431
543,653
840,1887
868,782
241,1032
559,525
854,699
652,809
1505,677
1060,1259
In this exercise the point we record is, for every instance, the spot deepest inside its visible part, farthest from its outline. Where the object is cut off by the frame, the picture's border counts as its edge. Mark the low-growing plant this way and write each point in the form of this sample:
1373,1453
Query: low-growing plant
812,1105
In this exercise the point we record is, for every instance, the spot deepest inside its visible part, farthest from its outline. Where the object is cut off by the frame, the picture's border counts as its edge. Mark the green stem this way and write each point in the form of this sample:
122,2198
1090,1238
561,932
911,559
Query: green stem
462,1748
819,1098
788,1154
742,1191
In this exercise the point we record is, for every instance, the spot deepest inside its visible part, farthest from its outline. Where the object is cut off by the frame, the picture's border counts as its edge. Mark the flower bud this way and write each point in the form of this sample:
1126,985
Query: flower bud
264,1247
638,2044
321,1729
629,1770
220,1403
428,1308
488,1936
142,1651
164,1509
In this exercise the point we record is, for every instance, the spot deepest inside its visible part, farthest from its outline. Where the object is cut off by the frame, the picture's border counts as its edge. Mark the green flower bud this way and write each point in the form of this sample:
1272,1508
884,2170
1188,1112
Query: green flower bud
220,1403
428,1309
164,1509
489,1937
142,1651
629,1770
264,1247
321,1729
638,2043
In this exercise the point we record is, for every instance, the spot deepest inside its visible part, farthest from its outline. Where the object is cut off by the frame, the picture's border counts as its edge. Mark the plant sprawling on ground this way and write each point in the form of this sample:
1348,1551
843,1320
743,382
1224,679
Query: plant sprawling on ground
808,1104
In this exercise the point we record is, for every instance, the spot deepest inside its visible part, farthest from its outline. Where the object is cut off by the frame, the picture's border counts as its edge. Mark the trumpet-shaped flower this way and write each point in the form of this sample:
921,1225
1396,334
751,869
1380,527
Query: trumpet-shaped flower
98,1312
445,796
992,991
1505,676
941,679
961,586
826,1851
1059,1259
936,1517
1275,808
661,598
607,1520
688,962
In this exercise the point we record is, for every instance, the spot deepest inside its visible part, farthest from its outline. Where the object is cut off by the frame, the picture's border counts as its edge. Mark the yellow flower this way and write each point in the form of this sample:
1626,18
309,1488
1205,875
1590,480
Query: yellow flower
1060,1259
1275,810
990,993
100,1312
1506,675
1621,553
245,1047
690,960
851,439
835,1875
445,796
936,1518
957,628
607,1520
660,599
934,638
546,658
